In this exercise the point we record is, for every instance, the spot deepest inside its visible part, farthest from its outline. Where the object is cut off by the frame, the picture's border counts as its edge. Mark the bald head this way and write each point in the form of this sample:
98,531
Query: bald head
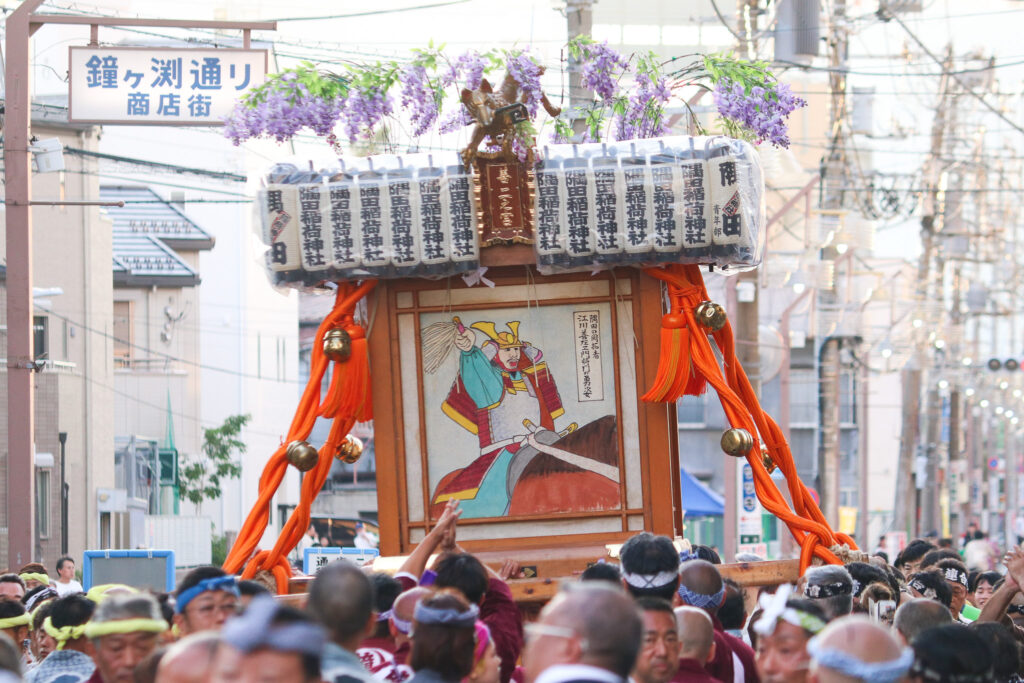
919,614
189,660
405,603
696,634
702,578
606,619
858,637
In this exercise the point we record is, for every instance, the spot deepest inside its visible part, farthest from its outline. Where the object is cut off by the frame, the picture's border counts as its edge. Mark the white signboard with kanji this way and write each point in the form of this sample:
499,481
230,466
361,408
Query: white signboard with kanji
178,86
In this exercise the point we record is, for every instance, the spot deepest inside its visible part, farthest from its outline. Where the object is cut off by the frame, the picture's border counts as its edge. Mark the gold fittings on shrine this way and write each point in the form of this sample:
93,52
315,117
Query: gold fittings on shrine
767,461
737,442
302,455
350,450
337,344
710,315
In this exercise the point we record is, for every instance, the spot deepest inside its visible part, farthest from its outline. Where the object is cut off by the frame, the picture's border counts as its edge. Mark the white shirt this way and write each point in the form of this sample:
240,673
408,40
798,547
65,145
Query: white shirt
576,672
68,588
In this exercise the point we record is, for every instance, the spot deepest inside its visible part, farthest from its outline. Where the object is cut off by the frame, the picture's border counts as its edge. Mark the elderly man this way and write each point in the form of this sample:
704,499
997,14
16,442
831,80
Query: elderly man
658,661
392,665
831,588
856,649
270,642
124,630
189,660
701,586
71,662
205,599
696,645
588,632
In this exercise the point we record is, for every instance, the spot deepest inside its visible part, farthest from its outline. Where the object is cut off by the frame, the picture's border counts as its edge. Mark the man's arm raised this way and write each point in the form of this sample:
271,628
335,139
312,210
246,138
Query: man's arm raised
416,563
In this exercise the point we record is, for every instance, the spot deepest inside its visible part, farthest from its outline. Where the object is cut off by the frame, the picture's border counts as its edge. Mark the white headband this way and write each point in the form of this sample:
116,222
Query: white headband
649,580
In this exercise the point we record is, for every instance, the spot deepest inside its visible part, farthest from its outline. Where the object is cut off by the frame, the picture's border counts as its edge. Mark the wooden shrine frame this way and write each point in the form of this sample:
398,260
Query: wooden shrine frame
401,528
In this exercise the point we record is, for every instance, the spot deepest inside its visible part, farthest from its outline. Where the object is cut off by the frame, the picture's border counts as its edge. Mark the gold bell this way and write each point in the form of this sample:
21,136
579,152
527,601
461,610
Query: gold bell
350,450
337,344
711,315
302,455
737,442
767,461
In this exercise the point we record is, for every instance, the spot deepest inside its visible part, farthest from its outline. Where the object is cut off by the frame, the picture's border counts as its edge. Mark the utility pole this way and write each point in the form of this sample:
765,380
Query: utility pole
833,179
579,17
906,489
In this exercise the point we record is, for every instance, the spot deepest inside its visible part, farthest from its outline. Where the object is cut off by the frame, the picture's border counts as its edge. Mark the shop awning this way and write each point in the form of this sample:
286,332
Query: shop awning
698,499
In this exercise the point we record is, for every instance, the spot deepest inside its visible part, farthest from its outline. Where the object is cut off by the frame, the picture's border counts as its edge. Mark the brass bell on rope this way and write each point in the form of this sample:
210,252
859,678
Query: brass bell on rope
350,450
711,315
767,461
737,442
337,344
302,455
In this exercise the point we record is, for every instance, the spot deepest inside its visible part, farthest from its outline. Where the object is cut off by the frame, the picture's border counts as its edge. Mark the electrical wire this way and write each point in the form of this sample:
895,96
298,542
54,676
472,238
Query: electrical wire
394,10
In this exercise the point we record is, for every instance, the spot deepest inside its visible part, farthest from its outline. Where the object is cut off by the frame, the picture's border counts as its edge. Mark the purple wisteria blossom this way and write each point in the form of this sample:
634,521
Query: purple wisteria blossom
527,73
459,118
602,67
762,111
418,95
364,109
469,67
644,109
284,110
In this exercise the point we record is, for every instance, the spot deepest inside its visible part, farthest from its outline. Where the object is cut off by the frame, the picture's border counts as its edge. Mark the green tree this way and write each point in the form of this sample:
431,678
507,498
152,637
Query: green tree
200,478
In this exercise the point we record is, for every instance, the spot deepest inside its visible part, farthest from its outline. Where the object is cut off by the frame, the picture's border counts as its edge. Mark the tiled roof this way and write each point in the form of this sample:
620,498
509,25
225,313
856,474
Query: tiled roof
147,231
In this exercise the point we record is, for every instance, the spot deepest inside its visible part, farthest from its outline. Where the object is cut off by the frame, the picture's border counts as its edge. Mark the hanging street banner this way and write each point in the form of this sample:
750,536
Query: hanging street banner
143,85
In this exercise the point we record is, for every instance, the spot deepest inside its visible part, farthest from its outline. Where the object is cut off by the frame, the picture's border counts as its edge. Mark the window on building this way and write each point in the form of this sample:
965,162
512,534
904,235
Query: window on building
43,503
124,338
803,396
691,410
40,348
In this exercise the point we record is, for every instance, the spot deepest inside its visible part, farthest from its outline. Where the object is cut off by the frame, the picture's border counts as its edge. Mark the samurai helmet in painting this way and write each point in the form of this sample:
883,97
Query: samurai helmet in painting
503,340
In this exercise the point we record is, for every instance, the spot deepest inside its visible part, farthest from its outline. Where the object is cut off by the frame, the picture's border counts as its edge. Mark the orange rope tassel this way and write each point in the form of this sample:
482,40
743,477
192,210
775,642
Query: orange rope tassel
347,400
687,361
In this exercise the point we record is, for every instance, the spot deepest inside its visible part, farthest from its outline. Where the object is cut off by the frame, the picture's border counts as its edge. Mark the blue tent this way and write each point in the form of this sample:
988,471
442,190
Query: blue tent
698,499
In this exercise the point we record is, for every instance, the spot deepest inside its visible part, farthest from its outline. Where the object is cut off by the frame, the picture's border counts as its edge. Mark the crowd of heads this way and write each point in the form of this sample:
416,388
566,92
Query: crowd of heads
663,613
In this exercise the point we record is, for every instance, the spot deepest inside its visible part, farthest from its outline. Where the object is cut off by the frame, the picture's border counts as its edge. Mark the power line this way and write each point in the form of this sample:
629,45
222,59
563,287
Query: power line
167,356
394,10
174,168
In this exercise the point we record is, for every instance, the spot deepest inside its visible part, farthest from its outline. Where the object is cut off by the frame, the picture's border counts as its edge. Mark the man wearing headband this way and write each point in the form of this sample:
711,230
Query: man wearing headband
650,566
855,650
696,645
12,586
831,588
204,600
341,599
124,630
270,642
701,586
950,654
65,583
588,632
71,661
955,574
34,574
658,660
783,631
393,666
931,585
444,639
14,623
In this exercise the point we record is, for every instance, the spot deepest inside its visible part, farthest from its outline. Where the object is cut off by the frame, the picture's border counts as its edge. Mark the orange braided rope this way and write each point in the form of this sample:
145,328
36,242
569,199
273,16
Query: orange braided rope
687,361
347,401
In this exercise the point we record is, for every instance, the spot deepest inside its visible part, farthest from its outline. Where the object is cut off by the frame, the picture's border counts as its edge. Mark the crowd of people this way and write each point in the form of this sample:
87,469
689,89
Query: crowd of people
657,616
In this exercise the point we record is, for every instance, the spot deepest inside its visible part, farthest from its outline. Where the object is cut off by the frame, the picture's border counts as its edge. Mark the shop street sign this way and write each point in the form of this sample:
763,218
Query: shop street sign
175,86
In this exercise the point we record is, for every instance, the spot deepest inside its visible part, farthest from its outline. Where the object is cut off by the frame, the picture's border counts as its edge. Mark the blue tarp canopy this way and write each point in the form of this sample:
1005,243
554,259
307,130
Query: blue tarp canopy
698,499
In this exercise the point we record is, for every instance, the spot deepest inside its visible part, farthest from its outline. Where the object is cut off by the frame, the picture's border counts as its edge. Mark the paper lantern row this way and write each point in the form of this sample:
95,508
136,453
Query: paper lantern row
676,200
368,223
